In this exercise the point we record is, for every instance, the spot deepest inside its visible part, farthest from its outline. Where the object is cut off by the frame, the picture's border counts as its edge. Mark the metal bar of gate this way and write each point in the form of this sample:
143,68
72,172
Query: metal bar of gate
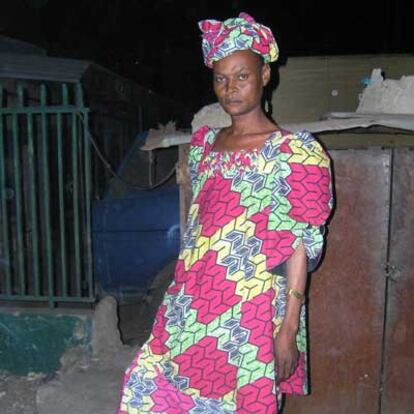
20,248
44,159
33,203
87,194
75,200
62,227
5,260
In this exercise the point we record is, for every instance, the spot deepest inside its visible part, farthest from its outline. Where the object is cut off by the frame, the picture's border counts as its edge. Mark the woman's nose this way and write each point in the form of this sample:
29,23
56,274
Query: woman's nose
231,85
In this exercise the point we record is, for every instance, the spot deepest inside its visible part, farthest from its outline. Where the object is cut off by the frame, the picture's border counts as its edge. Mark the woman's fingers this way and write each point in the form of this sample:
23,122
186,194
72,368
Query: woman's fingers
286,368
293,365
283,369
286,355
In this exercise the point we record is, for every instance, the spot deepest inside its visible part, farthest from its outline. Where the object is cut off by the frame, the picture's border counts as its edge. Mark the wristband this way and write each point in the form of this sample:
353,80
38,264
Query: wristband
296,294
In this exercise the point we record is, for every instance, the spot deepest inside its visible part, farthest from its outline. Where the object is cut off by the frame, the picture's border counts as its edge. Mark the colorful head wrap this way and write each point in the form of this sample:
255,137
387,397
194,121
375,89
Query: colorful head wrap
221,39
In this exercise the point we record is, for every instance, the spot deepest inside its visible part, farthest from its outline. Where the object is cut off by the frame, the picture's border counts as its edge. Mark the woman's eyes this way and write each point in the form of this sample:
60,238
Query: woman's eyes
240,77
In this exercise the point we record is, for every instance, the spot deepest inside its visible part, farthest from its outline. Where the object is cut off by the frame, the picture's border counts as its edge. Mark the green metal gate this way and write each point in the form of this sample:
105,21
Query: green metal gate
45,196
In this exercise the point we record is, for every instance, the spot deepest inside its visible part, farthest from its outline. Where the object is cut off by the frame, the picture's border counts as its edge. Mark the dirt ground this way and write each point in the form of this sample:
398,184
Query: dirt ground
18,394
86,383
90,386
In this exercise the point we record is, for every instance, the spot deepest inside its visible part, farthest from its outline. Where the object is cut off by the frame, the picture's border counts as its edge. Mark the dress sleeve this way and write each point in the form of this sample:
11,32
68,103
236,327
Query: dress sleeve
302,197
196,151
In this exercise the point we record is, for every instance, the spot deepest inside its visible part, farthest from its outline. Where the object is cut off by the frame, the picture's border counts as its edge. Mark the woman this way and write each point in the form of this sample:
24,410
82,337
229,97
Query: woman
230,335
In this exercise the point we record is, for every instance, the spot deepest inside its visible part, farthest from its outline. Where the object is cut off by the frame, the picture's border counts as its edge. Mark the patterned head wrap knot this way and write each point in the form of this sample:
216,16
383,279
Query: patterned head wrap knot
221,39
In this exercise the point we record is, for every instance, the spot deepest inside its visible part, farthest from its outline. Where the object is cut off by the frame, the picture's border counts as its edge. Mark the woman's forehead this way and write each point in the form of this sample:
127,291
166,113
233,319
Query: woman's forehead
242,59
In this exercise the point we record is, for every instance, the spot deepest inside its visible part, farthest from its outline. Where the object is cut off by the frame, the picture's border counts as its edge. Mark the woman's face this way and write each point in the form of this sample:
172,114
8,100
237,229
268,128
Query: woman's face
239,80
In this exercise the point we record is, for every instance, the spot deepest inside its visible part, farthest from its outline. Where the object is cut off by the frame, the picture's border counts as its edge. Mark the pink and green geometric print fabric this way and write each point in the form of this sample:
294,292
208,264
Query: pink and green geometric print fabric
211,349
221,39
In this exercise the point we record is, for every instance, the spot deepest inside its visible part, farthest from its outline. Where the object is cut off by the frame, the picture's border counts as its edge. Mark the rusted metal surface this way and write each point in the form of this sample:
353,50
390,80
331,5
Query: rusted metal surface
351,371
347,294
398,374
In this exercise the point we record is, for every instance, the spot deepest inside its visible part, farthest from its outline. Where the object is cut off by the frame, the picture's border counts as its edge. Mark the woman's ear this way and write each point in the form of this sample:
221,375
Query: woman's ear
266,74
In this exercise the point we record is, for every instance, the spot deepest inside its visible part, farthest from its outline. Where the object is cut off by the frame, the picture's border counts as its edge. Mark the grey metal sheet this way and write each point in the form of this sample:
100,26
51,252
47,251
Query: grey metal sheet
9,45
37,67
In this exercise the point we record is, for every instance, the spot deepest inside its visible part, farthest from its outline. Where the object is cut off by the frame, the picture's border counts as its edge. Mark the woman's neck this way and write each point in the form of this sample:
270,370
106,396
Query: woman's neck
253,122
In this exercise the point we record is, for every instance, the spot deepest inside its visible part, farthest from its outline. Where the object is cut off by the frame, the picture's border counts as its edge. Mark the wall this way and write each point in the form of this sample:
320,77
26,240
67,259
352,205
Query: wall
312,86
33,340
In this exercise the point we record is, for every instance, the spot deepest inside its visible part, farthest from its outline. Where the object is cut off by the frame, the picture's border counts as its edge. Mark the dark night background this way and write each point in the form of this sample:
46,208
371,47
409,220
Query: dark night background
157,42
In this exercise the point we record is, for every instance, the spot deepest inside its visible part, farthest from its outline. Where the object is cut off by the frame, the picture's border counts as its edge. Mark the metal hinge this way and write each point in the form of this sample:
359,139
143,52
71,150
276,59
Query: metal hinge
392,271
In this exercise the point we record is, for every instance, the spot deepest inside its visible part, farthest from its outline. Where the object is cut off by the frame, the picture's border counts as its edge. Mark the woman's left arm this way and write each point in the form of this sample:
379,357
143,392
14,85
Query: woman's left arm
285,342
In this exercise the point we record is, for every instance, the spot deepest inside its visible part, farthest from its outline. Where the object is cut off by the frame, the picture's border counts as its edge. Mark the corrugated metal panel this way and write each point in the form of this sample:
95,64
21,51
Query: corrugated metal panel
9,45
37,67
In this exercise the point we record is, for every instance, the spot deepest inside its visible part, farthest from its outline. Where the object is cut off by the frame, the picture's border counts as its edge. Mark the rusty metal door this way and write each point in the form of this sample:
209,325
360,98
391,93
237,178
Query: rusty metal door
347,294
398,370
361,316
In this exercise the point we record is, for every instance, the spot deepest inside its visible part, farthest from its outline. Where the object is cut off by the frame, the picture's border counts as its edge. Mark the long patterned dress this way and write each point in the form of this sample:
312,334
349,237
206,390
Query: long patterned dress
211,350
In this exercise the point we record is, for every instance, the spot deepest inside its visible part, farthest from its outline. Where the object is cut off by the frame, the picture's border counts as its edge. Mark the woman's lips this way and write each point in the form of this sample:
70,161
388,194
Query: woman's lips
232,102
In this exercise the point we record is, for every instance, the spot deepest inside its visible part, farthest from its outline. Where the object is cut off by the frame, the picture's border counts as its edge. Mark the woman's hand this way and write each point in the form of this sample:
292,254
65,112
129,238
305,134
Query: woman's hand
286,350
286,353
